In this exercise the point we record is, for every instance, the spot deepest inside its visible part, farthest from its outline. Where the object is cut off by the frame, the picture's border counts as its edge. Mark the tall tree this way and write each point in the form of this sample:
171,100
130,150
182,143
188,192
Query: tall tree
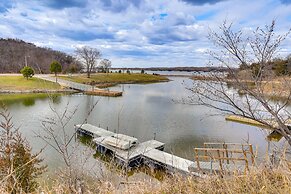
56,68
105,64
256,103
89,56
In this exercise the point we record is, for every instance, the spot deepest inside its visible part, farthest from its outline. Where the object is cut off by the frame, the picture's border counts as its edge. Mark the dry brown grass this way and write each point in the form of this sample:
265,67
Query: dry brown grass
278,87
259,180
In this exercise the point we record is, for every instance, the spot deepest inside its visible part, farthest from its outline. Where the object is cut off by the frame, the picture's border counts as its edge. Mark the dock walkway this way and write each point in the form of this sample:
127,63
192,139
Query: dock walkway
93,131
135,153
88,89
168,160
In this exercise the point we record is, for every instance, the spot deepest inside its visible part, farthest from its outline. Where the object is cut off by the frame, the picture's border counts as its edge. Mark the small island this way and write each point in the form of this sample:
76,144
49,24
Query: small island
103,80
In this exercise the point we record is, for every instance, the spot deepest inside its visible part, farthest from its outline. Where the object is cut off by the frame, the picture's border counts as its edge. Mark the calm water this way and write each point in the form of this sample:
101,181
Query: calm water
142,111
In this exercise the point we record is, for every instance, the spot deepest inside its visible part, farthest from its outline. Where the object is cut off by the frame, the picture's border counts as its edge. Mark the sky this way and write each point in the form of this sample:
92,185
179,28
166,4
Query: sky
138,33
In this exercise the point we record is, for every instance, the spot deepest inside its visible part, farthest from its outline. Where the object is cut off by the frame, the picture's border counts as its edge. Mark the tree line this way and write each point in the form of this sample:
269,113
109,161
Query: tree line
16,54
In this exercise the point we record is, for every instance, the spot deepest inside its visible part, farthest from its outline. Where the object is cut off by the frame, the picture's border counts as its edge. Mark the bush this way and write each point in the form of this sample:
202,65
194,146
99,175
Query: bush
280,68
256,70
73,68
142,71
27,72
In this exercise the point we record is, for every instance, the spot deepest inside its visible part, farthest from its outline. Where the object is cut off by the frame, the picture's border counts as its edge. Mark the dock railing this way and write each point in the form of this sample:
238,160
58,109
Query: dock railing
225,153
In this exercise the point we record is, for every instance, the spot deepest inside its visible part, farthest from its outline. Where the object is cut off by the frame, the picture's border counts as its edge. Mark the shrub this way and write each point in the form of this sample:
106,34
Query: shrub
27,72
19,167
73,68
280,68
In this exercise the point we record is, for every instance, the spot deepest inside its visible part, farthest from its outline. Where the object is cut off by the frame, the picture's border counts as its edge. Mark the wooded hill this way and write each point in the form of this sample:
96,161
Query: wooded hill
14,51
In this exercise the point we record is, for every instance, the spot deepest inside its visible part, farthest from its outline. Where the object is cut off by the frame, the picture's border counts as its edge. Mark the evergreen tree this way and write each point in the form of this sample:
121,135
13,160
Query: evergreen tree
27,72
19,168
56,68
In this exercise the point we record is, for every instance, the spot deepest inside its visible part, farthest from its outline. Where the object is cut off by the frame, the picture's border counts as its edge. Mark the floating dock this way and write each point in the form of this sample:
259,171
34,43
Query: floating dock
127,151
273,136
93,131
98,92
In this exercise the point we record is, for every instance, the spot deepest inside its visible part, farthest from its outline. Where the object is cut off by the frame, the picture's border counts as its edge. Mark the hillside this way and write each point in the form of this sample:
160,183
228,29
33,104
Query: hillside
14,51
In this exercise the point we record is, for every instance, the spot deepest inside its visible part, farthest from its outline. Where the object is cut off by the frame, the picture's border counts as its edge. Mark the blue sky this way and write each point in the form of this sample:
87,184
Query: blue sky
138,33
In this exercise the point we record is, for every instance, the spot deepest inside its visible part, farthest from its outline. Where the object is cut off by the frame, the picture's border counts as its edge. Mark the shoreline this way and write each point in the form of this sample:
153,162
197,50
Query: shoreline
112,84
100,85
275,95
37,91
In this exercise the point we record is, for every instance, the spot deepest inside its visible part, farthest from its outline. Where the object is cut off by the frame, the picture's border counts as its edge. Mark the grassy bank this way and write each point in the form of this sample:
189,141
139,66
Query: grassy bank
21,84
116,78
259,180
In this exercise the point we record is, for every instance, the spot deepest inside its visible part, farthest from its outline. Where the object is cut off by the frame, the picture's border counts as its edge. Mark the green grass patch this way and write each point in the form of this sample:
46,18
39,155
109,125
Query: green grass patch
20,83
117,78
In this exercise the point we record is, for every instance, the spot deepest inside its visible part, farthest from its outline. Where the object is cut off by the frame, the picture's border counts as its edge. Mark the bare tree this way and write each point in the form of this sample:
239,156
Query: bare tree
57,134
89,56
105,64
254,96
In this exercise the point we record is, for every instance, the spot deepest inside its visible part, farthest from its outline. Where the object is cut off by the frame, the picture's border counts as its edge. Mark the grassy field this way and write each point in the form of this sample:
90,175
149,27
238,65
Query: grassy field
117,78
20,83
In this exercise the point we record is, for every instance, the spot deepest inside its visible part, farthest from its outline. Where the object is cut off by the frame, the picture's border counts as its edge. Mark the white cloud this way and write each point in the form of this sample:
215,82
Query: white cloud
138,33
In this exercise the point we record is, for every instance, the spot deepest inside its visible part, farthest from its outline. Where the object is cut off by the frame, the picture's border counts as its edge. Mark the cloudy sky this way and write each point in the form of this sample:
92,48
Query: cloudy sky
137,33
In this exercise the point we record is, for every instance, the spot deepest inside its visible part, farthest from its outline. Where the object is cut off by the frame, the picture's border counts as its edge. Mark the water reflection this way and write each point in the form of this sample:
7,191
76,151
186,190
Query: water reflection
28,99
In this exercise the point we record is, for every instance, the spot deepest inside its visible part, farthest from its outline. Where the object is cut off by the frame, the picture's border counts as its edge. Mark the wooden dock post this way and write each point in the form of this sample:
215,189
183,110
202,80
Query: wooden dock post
219,159
246,160
205,151
252,153
197,158
226,152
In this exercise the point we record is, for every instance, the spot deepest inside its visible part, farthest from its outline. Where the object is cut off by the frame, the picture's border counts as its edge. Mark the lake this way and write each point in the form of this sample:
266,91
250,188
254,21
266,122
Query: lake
144,111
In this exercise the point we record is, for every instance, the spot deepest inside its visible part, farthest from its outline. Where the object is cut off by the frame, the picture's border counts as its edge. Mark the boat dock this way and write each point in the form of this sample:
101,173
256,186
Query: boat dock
127,151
